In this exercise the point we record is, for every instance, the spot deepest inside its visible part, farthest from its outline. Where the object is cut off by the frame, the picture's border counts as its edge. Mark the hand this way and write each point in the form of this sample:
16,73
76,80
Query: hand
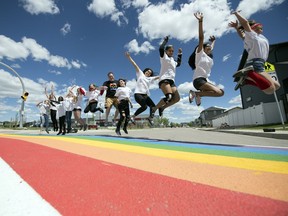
199,16
179,51
234,12
212,38
166,38
233,24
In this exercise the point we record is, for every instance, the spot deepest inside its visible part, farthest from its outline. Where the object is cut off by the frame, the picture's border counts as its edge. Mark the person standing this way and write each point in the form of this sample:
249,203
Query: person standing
69,106
123,94
110,99
167,76
201,61
141,94
257,46
60,105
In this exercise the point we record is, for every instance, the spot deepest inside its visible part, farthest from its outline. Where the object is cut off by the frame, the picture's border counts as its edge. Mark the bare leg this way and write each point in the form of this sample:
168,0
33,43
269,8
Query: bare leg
210,90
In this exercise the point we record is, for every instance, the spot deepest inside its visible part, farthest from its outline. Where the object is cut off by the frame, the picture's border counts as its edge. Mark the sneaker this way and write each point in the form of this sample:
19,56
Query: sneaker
85,127
192,95
151,122
118,132
132,119
198,100
125,130
60,132
243,72
239,83
47,131
160,110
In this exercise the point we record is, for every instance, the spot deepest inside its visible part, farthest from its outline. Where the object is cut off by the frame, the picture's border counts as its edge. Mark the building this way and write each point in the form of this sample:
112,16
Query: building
207,115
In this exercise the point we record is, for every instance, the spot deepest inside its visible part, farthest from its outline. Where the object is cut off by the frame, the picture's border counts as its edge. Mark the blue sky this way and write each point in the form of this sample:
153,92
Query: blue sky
64,42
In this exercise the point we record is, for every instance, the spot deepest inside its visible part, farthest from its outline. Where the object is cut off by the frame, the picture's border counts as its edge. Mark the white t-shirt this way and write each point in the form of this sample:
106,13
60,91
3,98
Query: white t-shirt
203,65
43,108
168,68
256,45
143,83
61,109
68,103
123,93
93,95
78,104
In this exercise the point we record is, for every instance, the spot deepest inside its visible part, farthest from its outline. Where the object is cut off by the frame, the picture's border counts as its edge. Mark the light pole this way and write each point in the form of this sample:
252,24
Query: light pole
23,88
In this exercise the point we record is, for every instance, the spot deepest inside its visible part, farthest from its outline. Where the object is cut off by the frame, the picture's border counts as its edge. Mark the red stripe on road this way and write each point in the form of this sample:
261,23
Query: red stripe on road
77,185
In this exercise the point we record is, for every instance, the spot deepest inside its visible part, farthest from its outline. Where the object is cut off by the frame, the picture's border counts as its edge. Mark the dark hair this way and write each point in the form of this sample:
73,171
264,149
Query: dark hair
192,57
119,81
146,69
60,98
168,47
109,73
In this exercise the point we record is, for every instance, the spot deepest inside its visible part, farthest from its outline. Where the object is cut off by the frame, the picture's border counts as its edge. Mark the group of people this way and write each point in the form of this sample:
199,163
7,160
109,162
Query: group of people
201,62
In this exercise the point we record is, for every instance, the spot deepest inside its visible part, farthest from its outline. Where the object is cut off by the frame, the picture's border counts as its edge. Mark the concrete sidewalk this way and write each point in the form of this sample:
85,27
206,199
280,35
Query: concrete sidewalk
194,135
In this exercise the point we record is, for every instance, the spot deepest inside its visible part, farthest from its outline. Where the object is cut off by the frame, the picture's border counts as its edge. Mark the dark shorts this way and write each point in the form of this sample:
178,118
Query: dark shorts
167,81
75,109
198,82
258,64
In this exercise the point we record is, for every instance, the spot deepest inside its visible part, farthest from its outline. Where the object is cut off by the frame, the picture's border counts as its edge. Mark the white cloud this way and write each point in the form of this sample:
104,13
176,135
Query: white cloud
40,6
66,29
133,47
226,57
13,50
107,8
236,100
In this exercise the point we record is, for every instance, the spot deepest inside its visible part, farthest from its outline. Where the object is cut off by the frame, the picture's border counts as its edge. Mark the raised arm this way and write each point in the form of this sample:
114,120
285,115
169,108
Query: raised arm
243,21
199,16
132,61
162,46
239,30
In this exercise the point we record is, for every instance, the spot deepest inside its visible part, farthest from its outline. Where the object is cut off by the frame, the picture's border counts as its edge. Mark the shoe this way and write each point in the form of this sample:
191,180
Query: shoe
243,72
198,100
132,119
118,132
152,112
192,95
60,132
85,127
151,122
101,110
63,133
125,130
239,83
47,131
160,110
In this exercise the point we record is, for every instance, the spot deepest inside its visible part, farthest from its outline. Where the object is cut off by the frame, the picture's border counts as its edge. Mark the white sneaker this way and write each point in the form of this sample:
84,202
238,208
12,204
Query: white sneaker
243,71
192,95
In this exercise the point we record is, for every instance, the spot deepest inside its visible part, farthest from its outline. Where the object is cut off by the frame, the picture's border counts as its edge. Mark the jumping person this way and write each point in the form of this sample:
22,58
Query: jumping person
60,105
167,76
257,46
92,96
69,106
44,112
141,93
123,94
78,107
53,110
110,99
201,61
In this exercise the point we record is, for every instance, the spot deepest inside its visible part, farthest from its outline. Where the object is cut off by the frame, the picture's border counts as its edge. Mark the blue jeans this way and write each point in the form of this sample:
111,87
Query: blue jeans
258,64
44,121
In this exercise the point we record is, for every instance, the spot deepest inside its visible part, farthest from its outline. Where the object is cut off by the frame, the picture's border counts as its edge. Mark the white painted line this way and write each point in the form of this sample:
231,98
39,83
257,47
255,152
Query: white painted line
17,198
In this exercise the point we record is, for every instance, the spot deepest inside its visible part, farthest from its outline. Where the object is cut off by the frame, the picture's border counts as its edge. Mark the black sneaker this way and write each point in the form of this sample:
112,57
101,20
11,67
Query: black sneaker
118,132
240,83
85,127
160,110
125,130
132,119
